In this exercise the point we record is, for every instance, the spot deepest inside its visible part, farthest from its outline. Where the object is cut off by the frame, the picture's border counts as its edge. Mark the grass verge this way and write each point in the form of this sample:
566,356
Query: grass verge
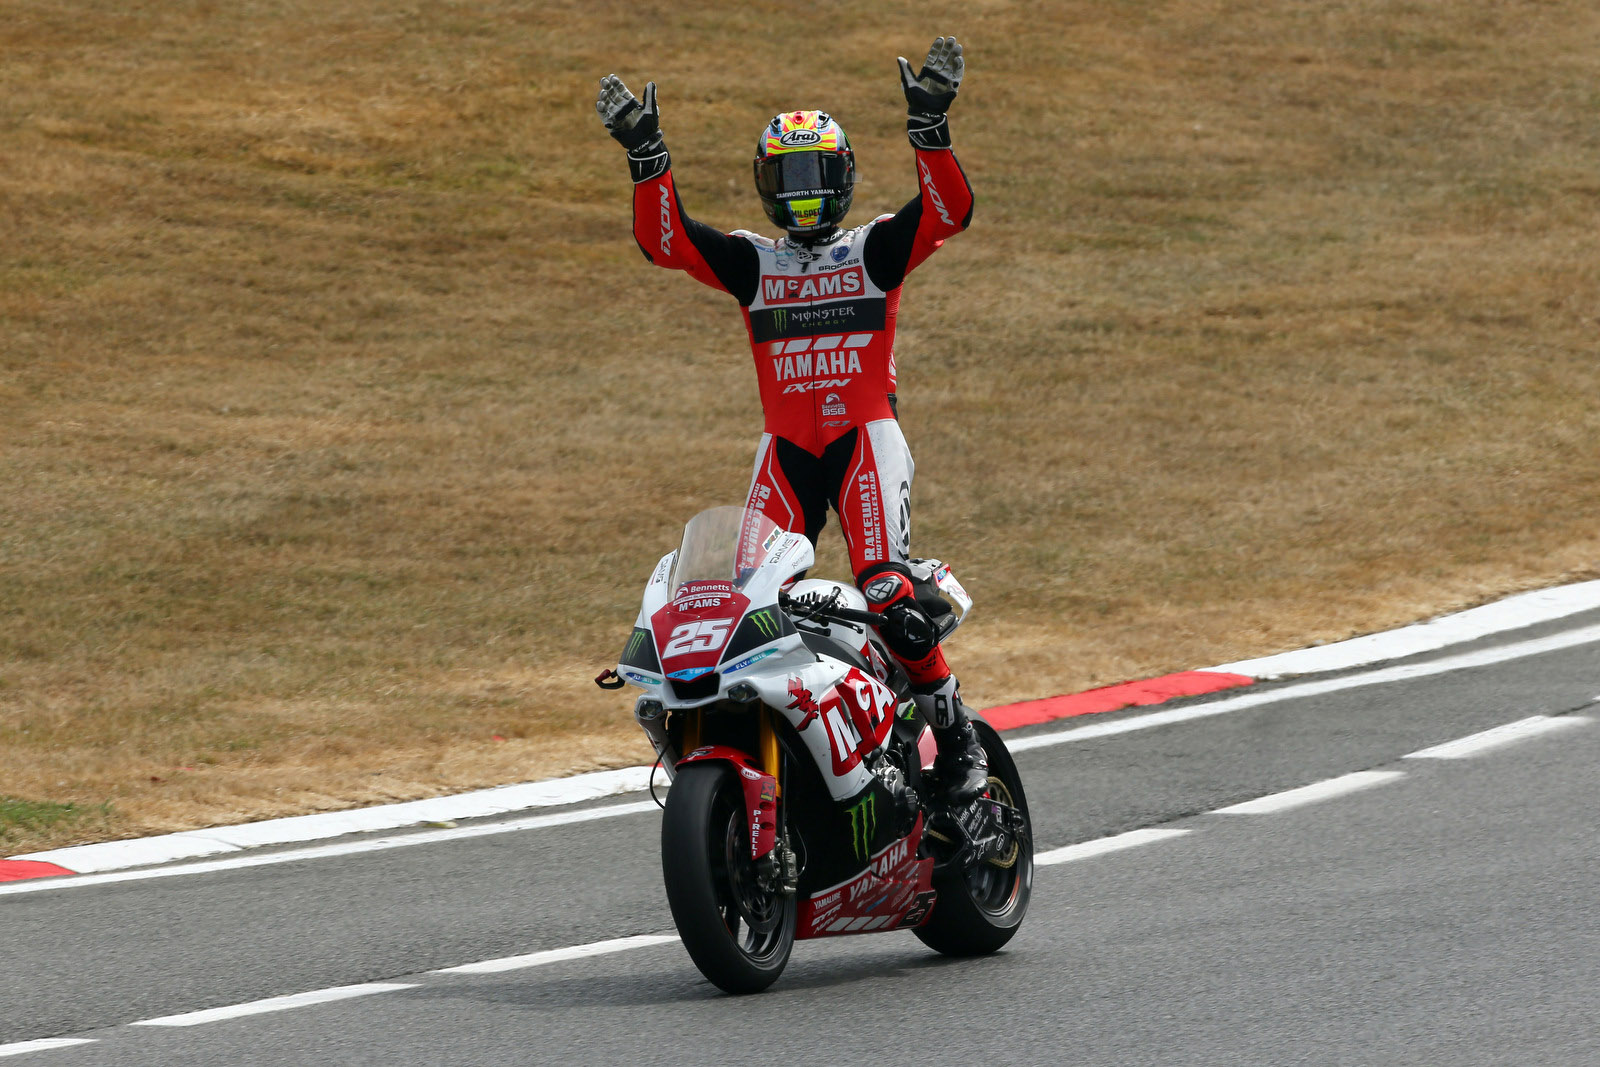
340,420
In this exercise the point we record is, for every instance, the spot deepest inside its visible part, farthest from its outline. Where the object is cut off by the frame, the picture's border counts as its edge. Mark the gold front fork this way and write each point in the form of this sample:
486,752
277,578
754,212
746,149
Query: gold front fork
768,738
691,730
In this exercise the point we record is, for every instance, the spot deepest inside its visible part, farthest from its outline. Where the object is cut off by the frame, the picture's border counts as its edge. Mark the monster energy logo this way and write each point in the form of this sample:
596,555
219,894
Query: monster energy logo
765,623
634,644
780,320
864,825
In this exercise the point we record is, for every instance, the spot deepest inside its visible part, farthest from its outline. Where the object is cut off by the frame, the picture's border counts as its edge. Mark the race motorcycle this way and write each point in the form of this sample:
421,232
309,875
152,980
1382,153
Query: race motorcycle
802,803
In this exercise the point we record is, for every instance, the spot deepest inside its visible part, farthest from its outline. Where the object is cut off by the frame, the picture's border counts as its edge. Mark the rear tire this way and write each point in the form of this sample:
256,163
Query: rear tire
978,910
738,934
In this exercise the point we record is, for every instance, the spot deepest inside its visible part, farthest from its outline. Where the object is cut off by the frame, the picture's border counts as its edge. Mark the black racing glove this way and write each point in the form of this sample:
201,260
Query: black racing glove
635,126
930,92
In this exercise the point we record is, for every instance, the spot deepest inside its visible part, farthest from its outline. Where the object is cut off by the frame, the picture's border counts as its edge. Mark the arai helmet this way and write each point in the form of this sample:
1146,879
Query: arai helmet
805,171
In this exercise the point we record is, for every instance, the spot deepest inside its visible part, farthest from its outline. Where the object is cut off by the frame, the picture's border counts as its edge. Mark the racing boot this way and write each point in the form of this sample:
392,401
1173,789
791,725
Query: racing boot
961,768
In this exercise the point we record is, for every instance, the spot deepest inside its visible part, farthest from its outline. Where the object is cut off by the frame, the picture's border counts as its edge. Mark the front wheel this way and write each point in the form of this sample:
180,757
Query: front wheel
737,933
980,908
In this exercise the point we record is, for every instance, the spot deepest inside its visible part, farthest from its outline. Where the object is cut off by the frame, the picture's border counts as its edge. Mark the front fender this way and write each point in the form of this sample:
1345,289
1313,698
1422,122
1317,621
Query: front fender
760,793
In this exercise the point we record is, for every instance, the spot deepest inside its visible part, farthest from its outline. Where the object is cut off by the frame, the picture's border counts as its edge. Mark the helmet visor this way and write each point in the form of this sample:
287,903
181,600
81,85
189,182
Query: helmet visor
803,175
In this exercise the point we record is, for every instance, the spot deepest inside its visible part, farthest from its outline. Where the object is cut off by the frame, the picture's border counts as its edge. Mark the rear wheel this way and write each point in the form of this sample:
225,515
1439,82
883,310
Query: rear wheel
980,908
737,933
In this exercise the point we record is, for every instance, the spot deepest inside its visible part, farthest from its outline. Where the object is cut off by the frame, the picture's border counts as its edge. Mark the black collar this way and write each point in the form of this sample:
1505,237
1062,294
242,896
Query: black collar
815,240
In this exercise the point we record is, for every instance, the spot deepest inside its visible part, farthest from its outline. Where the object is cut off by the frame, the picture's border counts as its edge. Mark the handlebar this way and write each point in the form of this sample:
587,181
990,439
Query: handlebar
826,609
829,609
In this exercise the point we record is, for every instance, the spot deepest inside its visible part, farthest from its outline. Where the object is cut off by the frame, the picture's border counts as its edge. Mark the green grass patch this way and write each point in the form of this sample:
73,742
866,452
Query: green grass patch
20,817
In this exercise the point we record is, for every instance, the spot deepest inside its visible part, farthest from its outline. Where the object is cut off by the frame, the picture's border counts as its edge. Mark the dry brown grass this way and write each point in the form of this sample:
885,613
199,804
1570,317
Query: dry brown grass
340,419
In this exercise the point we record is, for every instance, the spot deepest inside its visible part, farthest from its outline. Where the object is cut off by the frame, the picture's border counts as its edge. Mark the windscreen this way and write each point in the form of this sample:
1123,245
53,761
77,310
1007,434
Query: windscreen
723,545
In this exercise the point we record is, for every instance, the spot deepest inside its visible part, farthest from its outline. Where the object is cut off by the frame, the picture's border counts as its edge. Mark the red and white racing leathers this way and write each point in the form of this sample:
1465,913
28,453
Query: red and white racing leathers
821,320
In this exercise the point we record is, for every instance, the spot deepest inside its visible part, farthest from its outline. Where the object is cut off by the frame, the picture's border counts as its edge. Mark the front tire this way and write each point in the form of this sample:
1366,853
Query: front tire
980,909
737,933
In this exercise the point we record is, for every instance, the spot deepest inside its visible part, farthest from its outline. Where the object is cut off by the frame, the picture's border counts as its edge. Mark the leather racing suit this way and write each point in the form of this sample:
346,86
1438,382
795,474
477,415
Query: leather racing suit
821,321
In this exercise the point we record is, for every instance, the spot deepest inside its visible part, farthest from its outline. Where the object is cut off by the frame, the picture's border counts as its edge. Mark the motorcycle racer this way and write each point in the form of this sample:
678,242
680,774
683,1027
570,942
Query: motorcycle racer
820,306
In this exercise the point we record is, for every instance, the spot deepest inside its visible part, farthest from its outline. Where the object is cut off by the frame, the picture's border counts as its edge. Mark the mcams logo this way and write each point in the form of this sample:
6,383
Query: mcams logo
846,282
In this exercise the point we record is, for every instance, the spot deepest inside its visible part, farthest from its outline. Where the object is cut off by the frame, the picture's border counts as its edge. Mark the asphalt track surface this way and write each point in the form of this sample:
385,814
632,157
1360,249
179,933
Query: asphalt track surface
1443,914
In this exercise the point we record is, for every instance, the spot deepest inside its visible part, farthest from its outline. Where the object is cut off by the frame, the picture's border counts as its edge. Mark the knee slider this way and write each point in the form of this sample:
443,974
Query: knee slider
906,627
908,631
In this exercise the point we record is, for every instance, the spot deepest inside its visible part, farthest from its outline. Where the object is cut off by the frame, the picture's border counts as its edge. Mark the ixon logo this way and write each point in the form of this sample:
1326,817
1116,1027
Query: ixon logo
933,193
821,383
666,222
847,282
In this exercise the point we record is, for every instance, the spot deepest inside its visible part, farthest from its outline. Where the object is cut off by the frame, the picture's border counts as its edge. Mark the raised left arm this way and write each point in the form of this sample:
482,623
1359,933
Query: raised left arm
943,205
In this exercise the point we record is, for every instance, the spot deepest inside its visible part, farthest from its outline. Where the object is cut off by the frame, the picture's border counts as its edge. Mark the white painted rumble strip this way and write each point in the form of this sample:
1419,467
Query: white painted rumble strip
1514,612
44,1045
191,844
556,955
348,848
1311,794
1481,658
1473,744
261,1007
1522,610
1117,843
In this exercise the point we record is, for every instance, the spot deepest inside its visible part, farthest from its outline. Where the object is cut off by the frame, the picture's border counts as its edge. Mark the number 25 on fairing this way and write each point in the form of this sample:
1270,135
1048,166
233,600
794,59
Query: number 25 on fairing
702,636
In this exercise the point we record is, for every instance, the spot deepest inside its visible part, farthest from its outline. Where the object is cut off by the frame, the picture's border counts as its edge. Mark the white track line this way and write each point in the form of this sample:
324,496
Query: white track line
1473,744
1275,802
45,1045
1511,613
349,992
556,955
1311,794
481,803
350,848
1481,658
261,1007
1086,849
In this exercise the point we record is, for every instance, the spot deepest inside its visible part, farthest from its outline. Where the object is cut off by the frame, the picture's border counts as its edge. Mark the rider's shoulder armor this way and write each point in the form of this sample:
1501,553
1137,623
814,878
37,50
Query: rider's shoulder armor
763,243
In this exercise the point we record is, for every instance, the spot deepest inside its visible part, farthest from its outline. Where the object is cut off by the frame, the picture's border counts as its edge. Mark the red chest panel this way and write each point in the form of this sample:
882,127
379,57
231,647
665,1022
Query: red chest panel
822,335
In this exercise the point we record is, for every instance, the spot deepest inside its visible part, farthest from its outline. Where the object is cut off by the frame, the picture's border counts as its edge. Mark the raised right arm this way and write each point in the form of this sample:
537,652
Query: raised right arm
666,235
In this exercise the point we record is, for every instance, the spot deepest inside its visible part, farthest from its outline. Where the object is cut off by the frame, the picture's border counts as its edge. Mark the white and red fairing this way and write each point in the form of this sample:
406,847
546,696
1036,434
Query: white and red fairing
692,629
760,793
839,711
894,892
